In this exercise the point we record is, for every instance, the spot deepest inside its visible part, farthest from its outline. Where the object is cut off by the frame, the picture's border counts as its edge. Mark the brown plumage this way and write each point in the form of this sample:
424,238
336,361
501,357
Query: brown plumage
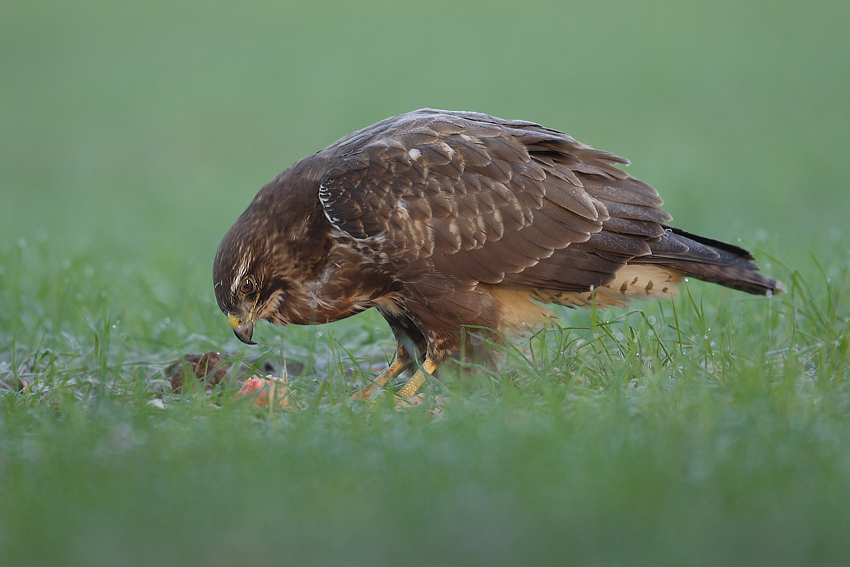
445,220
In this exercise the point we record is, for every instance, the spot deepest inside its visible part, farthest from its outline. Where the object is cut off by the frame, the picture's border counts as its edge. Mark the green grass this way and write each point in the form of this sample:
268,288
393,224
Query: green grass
714,430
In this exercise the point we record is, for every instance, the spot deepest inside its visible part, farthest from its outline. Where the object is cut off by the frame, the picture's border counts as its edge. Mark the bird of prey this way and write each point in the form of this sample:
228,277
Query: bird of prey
445,221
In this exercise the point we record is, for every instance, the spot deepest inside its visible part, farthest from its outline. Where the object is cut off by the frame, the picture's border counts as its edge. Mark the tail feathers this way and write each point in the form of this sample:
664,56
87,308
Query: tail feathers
709,260
735,278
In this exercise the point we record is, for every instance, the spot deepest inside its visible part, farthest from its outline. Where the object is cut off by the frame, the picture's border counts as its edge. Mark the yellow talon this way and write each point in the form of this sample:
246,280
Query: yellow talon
410,389
395,369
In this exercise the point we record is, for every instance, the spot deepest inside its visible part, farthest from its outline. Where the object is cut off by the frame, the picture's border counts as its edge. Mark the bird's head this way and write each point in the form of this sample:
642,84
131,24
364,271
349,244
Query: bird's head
238,289
247,280
266,261
240,308
274,252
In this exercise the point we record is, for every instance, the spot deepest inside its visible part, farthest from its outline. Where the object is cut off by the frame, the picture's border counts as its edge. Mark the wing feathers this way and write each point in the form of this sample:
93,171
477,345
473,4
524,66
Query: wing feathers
563,226
644,229
636,212
630,191
490,201
574,199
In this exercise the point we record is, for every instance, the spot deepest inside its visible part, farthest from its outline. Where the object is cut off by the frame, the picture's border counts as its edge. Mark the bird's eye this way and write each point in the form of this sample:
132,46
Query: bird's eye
247,287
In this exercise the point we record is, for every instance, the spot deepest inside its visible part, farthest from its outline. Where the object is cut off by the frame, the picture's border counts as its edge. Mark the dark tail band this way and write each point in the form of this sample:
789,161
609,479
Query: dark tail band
710,260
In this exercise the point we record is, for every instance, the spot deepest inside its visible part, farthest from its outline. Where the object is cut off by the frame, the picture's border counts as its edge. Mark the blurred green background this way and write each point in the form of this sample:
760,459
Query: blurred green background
133,134
144,129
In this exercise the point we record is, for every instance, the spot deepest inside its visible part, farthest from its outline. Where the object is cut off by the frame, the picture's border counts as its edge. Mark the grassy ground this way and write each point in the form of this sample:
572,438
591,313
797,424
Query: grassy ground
710,431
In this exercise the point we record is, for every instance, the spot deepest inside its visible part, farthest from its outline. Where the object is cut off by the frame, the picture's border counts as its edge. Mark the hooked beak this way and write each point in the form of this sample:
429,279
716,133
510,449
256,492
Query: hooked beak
243,330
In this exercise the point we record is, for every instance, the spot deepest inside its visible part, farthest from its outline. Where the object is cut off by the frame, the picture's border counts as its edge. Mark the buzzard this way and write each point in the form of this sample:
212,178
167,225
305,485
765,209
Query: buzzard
449,221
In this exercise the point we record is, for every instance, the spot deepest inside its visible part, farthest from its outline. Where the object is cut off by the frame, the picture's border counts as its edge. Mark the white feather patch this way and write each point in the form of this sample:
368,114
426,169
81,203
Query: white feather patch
240,274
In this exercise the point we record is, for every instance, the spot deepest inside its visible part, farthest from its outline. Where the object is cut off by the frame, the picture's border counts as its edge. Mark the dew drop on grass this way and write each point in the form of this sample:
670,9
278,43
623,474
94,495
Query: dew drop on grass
103,293
122,337
319,334
168,320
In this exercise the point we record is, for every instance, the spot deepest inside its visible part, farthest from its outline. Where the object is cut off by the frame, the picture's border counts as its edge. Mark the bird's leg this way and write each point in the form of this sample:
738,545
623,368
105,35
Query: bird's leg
401,364
413,385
